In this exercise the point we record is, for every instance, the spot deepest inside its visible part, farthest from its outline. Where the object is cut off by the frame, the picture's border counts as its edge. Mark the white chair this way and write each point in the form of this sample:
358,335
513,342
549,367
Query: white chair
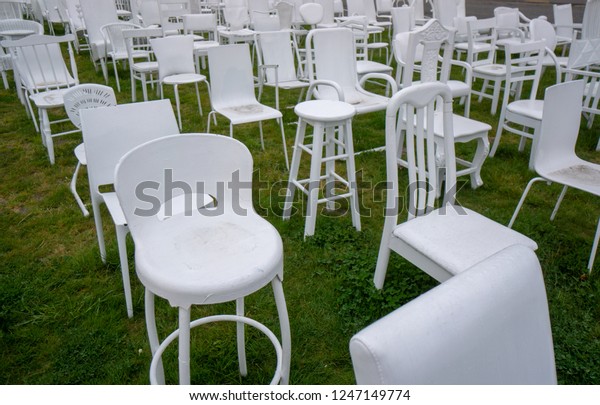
434,39
237,22
332,71
76,24
142,63
311,13
76,99
554,158
43,76
175,56
442,242
522,116
116,46
204,25
541,30
97,13
124,9
328,19
54,13
565,27
233,95
403,20
487,325
446,11
171,12
511,26
12,9
276,55
364,65
109,133
201,256
149,13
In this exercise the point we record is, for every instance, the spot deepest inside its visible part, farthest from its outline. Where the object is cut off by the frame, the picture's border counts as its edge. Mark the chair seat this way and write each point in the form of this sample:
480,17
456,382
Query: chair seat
490,70
145,67
457,238
241,114
204,45
184,78
580,174
367,66
48,99
528,108
290,84
204,259
464,128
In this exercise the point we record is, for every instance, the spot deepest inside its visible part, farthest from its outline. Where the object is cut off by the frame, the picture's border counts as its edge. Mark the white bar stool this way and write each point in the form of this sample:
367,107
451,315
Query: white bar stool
325,116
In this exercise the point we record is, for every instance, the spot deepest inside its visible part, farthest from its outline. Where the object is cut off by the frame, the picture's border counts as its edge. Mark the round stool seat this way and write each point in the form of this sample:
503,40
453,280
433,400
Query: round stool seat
324,110
204,259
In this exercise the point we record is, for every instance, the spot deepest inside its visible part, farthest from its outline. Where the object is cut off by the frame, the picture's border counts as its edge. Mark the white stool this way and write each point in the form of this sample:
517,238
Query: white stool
324,116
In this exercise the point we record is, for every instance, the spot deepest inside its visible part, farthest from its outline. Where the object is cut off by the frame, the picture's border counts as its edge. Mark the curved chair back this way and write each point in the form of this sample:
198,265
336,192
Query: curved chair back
311,13
85,96
175,55
541,30
231,78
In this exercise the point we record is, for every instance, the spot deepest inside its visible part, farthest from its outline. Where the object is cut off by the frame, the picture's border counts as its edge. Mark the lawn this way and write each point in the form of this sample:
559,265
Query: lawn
62,310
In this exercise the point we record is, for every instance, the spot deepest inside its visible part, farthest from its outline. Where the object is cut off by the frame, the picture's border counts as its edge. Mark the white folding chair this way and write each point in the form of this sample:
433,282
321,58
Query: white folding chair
448,240
487,325
233,95
202,243
554,158
109,133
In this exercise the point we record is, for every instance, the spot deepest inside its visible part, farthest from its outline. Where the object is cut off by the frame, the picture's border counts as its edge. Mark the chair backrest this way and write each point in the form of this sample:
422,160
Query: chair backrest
275,48
403,19
591,15
84,96
175,55
113,37
384,6
418,7
170,15
434,39
541,30
331,55
231,77
418,104
285,11
137,42
584,53
563,19
109,133
73,10
359,26
311,13
150,12
481,37
97,13
264,21
40,64
370,11
236,17
356,7
486,325
197,163
561,118
54,11
524,64
328,13
19,24
262,6
205,23
12,9
446,11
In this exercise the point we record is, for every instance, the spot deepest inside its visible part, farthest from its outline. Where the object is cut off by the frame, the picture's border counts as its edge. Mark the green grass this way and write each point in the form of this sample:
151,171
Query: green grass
62,311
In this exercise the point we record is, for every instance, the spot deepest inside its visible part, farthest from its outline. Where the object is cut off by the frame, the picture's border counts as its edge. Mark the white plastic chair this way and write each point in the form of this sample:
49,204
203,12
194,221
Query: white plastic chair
116,46
276,55
43,76
109,133
175,56
196,255
403,20
76,99
487,325
565,27
233,95
590,28
364,65
311,13
541,30
511,26
328,19
522,116
554,158
204,25
97,13
332,71
171,12
446,11
142,63
448,240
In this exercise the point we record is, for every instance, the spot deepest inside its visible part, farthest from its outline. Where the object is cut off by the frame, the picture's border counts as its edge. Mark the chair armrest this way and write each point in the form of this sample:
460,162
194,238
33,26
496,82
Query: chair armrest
315,83
468,69
381,76
556,64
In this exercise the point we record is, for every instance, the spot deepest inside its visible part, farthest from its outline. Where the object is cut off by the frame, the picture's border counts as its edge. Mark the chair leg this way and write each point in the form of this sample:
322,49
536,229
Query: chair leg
594,247
241,340
351,170
122,232
522,200
116,75
133,89
285,153
73,188
284,325
198,98
152,333
296,155
177,104
262,140
5,80
46,133
558,202
144,86
498,132
313,182
184,346
98,223
382,262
